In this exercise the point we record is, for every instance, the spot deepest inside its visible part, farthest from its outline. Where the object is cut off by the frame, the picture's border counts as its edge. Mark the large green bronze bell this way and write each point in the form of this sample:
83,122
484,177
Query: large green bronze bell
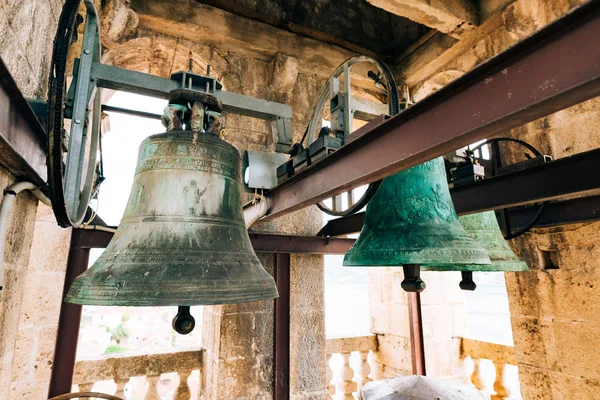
411,221
182,240
483,228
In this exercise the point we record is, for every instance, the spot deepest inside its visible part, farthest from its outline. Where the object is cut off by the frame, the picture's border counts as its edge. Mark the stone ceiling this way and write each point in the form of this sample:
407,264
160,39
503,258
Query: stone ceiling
353,24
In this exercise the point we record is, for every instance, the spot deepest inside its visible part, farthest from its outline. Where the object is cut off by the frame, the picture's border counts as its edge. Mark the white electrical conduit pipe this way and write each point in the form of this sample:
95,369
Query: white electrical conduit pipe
255,210
6,206
98,228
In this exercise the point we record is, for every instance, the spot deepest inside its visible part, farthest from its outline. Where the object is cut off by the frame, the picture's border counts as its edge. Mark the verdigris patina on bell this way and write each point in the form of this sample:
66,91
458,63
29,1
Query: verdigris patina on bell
182,240
484,229
411,220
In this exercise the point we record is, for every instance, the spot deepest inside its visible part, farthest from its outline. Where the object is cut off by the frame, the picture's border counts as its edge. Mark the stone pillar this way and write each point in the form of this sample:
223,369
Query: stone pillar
40,307
238,339
308,360
14,355
443,311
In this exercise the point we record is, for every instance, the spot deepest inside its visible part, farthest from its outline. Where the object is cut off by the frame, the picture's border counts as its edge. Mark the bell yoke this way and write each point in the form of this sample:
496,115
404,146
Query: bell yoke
182,240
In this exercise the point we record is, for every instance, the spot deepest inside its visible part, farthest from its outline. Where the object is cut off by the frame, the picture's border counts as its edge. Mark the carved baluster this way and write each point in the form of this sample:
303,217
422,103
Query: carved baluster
202,385
329,375
510,379
85,387
152,390
484,377
468,368
365,368
183,390
121,387
376,367
346,386
501,392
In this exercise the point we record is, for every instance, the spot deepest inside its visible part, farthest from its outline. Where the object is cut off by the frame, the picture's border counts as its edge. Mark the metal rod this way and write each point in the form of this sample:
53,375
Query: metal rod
115,78
416,333
135,113
65,349
282,327
553,69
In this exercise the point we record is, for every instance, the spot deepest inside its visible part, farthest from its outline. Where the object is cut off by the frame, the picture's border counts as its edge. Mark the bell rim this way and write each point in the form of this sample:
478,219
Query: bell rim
399,258
495,266
128,298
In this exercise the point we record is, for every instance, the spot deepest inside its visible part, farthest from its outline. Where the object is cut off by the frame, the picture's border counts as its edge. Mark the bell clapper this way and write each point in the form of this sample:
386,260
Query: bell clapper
467,281
412,281
183,322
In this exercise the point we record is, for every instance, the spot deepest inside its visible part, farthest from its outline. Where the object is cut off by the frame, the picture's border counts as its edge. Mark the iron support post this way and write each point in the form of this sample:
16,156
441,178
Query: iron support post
416,333
282,327
67,335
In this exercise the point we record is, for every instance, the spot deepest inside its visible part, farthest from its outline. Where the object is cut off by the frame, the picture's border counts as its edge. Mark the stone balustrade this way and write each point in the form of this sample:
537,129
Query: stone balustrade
142,374
491,368
349,365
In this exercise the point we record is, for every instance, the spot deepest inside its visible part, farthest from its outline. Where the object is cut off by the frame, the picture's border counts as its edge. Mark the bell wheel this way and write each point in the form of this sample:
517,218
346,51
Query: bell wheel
358,91
74,112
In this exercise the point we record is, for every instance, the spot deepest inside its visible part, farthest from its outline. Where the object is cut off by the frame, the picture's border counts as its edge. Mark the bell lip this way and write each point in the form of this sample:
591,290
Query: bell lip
495,266
407,258
132,301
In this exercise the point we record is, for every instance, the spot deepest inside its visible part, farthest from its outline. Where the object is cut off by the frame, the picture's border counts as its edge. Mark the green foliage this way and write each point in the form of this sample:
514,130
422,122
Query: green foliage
118,333
115,349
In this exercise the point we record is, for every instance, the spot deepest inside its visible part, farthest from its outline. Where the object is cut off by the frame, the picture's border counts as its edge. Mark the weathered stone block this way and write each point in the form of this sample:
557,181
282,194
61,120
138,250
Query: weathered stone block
307,347
566,386
535,383
394,351
533,338
442,357
306,274
575,344
442,288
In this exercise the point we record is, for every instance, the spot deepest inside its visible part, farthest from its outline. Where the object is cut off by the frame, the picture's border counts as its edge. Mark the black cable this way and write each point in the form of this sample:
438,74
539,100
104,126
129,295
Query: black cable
503,139
540,211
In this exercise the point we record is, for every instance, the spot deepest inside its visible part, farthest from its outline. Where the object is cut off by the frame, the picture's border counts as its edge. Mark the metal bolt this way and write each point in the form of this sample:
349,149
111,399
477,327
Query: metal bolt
86,52
77,121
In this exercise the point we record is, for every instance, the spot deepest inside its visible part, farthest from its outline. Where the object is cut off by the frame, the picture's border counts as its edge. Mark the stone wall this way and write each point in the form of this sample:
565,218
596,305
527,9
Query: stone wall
35,265
16,258
554,317
554,306
40,301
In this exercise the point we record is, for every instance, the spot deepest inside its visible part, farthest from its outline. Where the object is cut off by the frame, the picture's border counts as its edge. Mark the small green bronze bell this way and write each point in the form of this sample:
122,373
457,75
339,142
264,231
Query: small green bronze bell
411,222
483,228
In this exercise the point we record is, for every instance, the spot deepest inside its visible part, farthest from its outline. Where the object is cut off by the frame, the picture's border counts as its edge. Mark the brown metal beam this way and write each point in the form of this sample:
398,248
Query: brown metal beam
574,175
556,213
262,243
583,209
553,69
282,327
65,350
560,178
22,137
